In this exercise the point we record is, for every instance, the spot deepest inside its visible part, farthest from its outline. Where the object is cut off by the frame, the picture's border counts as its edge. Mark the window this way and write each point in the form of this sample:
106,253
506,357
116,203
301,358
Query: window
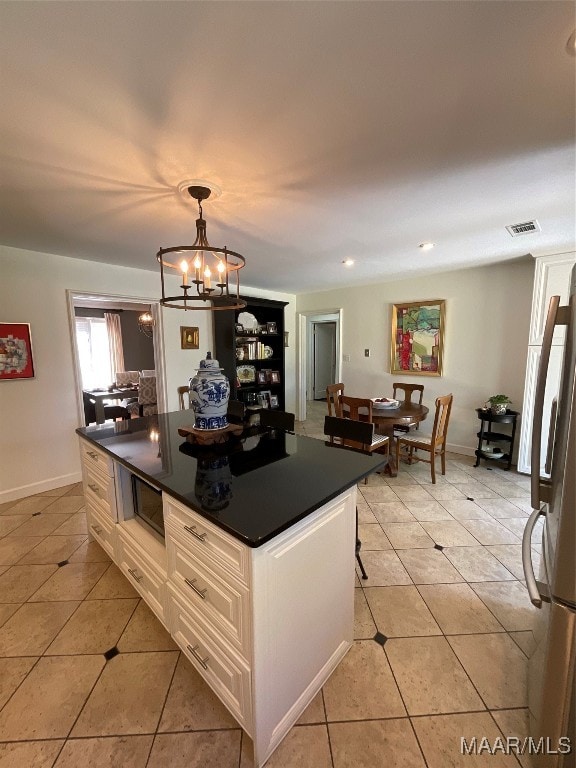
93,352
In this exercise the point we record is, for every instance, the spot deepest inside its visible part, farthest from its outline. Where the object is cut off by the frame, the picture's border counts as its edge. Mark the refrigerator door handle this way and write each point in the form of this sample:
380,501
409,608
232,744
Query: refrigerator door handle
538,488
551,436
531,583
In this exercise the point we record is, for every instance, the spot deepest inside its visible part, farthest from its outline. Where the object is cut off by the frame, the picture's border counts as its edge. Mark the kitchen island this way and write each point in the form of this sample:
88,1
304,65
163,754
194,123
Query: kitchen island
244,551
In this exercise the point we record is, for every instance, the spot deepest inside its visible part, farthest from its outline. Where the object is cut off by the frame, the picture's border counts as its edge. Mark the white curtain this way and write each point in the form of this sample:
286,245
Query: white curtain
115,341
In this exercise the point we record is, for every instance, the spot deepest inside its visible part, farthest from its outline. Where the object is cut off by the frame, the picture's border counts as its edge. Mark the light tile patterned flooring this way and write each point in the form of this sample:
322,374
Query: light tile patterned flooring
90,679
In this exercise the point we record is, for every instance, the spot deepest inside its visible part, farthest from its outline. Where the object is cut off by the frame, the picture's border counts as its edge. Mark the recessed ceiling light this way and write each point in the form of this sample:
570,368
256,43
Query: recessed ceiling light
571,44
426,246
348,262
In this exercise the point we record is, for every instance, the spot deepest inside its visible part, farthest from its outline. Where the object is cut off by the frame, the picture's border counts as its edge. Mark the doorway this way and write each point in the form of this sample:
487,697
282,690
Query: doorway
91,343
328,363
323,357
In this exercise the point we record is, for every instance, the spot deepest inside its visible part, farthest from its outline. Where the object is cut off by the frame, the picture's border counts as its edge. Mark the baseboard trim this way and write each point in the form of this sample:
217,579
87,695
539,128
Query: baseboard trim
13,494
462,449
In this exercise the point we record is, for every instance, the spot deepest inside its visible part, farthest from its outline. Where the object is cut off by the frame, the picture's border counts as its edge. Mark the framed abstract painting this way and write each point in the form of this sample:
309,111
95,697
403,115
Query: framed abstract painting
418,338
15,352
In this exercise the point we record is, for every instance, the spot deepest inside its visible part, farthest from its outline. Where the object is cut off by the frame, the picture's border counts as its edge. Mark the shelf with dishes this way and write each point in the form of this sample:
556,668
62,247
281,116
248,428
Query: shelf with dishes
250,347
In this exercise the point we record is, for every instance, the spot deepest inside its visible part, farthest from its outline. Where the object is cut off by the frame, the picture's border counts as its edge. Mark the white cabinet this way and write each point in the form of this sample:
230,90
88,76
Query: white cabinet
264,626
100,494
551,278
143,561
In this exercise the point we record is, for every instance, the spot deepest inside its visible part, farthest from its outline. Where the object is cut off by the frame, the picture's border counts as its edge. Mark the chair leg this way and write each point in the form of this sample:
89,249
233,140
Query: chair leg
358,547
397,453
360,563
433,465
443,461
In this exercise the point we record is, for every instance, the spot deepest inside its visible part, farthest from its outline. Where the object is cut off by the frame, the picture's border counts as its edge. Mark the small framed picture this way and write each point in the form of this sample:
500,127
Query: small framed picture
271,328
264,398
261,376
239,328
274,377
189,338
15,352
273,401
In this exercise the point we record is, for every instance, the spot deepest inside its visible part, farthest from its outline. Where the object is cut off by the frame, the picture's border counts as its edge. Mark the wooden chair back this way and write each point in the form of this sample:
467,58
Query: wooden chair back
349,433
236,411
408,390
356,408
183,395
333,395
277,419
436,444
441,419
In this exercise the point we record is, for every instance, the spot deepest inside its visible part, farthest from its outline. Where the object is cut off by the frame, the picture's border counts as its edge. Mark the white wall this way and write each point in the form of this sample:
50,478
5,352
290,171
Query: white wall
38,446
487,320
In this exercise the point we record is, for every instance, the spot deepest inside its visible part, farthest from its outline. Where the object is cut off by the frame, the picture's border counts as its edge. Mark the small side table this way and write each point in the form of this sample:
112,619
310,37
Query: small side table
486,435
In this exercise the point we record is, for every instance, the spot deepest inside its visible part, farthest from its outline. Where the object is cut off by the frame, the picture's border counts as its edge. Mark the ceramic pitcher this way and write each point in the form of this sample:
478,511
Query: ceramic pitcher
209,395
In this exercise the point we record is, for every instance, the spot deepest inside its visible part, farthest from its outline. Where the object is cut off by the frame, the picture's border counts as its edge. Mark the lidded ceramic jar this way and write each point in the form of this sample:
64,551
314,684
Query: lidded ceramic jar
209,395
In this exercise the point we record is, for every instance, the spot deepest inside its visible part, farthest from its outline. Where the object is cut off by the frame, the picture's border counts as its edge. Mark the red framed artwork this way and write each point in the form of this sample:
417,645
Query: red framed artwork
15,352
418,338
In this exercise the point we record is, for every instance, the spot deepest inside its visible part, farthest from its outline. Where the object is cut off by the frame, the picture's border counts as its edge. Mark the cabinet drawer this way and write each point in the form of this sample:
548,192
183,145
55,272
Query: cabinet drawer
92,456
143,574
227,674
222,602
100,489
208,542
102,528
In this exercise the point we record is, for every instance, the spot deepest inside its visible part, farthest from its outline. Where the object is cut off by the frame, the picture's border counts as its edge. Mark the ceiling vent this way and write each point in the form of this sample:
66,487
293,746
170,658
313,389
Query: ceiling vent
523,229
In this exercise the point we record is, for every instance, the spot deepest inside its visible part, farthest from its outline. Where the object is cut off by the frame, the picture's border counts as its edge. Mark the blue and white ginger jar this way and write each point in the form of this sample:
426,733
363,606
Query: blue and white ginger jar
209,395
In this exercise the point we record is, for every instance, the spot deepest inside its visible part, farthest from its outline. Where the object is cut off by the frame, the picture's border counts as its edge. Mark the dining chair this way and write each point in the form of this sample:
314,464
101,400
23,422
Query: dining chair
408,391
358,436
356,408
333,395
434,444
110,411
147,400
183,395
126,378
236,412
277,419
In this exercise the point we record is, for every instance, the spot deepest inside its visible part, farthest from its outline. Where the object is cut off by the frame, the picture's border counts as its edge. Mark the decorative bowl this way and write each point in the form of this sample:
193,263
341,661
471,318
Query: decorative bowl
384,402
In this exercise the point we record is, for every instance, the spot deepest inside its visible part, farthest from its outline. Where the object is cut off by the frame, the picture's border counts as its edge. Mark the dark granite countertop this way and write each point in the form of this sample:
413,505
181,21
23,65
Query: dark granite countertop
255,486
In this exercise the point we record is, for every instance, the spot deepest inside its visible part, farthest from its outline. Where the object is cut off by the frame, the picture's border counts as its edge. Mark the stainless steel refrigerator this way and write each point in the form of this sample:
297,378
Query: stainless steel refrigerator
551,680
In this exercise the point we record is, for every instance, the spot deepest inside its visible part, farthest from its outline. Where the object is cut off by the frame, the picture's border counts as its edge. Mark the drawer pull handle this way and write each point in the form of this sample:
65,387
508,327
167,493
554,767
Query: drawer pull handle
134,575
93,455
201,536
200,592
94,487
96,529
197,656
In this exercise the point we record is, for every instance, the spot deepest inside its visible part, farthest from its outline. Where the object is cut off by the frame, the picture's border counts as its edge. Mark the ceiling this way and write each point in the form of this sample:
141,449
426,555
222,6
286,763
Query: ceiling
335,130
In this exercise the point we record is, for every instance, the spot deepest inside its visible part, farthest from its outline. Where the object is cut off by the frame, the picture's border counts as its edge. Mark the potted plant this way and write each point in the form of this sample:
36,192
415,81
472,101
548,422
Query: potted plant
499,404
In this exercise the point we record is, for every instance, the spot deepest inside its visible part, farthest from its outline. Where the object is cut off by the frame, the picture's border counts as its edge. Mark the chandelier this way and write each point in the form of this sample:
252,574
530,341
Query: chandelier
146,324
206,272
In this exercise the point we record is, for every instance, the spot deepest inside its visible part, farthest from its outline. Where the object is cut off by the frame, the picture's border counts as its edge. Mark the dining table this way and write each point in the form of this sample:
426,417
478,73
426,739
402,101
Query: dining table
384,420
99,397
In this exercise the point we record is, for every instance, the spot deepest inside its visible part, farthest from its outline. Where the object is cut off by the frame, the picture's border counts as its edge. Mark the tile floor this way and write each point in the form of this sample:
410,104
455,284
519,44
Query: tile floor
90,679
